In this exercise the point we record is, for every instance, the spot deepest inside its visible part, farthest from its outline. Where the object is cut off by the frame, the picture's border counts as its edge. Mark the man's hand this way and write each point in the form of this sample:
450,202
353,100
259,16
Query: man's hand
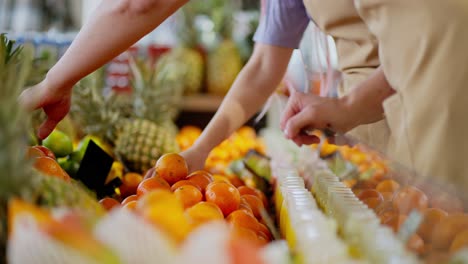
195,158
56,104
308,111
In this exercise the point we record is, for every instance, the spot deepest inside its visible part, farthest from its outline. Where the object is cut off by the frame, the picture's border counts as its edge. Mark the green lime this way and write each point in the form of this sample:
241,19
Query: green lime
59,143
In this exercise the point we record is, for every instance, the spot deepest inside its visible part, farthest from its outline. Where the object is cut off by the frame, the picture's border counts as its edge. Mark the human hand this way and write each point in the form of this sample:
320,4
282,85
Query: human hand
309,111
195,158
54,102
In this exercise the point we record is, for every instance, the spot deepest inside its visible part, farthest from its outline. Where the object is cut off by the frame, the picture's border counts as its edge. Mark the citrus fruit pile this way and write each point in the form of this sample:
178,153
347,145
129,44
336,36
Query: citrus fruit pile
233,148
444,226
178,202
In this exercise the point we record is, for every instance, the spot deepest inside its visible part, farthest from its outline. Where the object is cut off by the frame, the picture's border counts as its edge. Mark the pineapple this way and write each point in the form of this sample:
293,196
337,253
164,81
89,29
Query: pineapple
142,133
186,61
18,179
224,62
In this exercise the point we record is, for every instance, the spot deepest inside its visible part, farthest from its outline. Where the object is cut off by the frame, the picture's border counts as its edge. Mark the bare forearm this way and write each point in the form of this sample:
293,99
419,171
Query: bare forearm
256,82
113,28
365,102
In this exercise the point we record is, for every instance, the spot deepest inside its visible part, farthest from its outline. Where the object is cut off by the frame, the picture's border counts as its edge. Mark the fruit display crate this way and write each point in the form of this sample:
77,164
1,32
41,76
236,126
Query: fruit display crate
384,213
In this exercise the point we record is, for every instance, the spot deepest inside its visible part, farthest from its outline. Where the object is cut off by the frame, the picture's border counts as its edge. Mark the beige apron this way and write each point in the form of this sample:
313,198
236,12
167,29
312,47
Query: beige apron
357,55
423,47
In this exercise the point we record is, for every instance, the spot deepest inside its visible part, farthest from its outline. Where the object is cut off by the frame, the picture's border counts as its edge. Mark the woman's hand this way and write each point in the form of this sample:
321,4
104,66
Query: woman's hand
308,111
54,102
195,158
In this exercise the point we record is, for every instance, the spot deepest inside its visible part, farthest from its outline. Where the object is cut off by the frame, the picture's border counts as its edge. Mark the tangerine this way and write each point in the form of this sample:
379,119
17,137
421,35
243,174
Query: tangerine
225,195
387,186
409,198
263,230
236,181
204,212
132,205
152,184
255,204
50,167
46,151
445,231
201,179
109,203
171,167
130,182
460,241
244,190
240,218
182,183
189,195
33,152
431,217
130,198
238,232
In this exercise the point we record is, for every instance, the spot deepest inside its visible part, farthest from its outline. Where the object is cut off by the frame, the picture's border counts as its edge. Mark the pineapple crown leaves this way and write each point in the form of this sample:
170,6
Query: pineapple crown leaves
15,65
97,114
157,94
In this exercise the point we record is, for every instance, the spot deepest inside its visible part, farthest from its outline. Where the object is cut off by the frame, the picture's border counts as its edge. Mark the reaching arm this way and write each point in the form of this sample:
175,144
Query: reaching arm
362,106
254,84
113,28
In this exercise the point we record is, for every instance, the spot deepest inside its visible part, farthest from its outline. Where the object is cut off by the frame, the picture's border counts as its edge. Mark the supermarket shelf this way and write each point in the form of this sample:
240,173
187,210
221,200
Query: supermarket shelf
201,103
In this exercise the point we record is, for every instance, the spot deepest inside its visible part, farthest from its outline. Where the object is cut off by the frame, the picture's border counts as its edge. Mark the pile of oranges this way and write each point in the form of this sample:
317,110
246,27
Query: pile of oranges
235,147
178,202
45,161
444,227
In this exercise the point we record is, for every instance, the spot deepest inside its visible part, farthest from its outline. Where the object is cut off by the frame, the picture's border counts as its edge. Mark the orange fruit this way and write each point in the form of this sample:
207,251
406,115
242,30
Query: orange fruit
132,205
201,179
437,257
409,198
387,186
445,231
385,212
171,167
247,132
50,167
238,232
33,152
255,204
366,184
130,198
218,177
224,195
203,212
415,244
46,151
395,222
152,184
371,198
130,182
431,217
245,206
447,202
189,195
182,183
236,181
263,230
243,190
109,203
460,241
240,218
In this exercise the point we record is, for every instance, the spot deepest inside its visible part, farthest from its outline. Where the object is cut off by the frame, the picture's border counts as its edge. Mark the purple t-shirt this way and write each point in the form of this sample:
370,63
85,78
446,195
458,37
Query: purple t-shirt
283,23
